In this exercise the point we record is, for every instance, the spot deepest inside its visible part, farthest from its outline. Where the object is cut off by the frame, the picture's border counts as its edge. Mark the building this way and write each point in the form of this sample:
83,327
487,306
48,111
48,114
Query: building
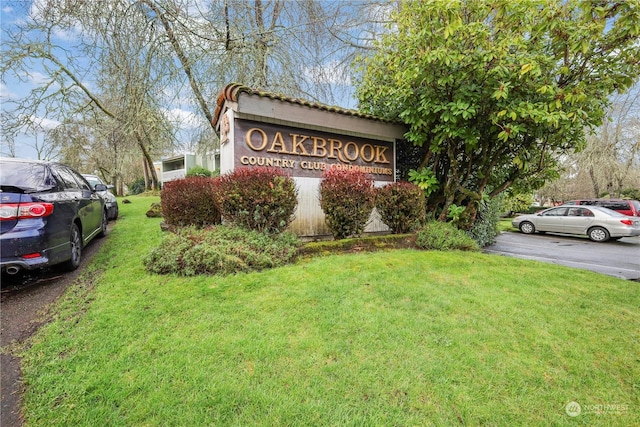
176,167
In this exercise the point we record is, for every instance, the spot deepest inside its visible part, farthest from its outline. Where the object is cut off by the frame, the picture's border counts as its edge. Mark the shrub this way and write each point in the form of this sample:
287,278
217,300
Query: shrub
190,201
401,206
347,198
220,250
485,227
261,199
443,236
137,186
630,193
199,171
517,202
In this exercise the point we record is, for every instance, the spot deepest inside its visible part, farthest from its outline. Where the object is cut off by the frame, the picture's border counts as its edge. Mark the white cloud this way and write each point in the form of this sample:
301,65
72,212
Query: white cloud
6,94
42,123
37,78
67,35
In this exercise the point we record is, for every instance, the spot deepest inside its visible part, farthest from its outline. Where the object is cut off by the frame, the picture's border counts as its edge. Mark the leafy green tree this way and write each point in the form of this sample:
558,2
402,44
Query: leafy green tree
497,90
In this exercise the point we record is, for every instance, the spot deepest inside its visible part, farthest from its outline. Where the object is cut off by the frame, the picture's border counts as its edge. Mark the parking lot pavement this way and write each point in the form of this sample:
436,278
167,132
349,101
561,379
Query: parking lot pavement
614,258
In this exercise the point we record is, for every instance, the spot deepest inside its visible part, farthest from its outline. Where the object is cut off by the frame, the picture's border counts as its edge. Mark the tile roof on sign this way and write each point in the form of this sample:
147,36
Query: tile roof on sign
232,92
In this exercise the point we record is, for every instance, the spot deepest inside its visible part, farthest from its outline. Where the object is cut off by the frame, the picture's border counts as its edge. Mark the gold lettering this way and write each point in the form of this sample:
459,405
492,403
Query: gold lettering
298,144
354,156
244,160
372,152
335,146
277,141
319,147
247,139
380,157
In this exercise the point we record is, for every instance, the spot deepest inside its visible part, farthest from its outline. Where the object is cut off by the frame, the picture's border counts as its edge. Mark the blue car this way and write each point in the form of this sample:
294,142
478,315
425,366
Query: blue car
48,213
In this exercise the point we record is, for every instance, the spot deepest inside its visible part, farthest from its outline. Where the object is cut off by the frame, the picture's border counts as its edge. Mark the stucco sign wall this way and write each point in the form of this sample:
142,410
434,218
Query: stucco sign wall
306,153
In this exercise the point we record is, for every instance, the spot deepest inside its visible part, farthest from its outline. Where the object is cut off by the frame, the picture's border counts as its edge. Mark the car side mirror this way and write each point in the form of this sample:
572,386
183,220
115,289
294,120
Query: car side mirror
100,187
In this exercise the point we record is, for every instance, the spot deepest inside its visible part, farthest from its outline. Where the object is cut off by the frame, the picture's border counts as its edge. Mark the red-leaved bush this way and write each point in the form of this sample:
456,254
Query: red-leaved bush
347,199
401,206
262,198
190,201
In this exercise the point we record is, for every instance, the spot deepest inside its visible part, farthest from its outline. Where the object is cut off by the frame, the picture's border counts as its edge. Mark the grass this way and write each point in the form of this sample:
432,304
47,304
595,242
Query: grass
399,337
505,224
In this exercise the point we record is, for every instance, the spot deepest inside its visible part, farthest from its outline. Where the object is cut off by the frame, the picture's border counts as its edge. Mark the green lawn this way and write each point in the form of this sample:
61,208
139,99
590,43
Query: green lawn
404,338
505,224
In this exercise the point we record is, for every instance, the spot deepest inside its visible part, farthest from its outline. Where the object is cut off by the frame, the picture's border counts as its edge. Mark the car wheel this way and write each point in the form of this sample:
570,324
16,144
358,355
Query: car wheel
598,234
115,213
103,224
75,240
527,227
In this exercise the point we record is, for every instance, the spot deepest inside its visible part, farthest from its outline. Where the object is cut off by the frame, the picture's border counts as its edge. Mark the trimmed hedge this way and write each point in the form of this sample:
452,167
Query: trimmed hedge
262,199
190,201
347,198
401,206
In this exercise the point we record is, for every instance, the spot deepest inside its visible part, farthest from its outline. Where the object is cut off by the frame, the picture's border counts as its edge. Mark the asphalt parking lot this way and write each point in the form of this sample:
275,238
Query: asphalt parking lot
613,258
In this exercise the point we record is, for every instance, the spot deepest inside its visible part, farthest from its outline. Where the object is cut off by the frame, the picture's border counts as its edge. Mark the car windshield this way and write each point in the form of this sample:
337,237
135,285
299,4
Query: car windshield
27,177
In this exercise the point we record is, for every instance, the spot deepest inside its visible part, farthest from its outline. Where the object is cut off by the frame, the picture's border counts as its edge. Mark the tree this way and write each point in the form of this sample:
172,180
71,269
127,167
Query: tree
610,162
612,153
495,91
125,65
65,94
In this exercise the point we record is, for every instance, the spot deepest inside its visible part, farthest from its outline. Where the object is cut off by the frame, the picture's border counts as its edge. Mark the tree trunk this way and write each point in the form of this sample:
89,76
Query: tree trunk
145,170
594,182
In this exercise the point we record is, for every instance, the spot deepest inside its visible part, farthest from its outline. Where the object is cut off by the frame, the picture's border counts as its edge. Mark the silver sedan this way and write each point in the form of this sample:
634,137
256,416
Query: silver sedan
600,224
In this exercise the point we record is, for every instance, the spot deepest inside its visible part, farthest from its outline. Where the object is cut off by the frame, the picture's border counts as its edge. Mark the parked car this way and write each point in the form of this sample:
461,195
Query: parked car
624,206
600,224
48,213
109,199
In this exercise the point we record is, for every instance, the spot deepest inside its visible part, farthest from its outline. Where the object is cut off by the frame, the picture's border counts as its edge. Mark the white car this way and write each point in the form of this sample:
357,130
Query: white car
598,223
110,201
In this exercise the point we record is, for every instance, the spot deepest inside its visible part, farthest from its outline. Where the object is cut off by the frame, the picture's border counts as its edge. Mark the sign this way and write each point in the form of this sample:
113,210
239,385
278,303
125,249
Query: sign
307,153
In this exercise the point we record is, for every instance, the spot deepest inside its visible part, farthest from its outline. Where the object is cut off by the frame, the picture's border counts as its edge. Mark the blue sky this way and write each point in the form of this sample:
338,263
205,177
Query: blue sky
13,88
